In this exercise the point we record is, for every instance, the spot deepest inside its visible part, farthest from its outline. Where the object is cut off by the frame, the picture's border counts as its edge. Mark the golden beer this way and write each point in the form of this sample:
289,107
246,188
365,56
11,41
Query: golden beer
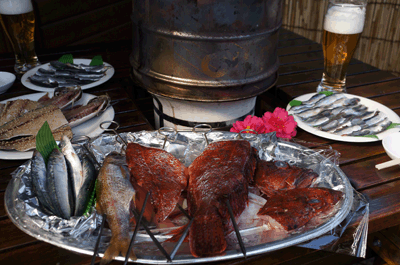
343,25
338,51
18,21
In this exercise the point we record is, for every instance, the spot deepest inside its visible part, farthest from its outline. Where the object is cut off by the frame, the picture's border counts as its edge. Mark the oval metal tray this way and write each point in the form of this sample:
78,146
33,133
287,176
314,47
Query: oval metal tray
147,252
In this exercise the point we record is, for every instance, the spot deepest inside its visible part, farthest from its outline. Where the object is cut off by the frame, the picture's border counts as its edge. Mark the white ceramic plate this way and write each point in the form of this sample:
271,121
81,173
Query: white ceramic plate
25,81
89,128
372,105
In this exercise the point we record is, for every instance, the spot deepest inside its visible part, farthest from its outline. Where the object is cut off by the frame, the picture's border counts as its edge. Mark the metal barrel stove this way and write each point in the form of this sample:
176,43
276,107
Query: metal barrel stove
205,61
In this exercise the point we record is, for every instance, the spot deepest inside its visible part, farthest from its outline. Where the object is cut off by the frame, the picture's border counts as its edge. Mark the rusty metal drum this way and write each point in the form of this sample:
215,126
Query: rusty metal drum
206,50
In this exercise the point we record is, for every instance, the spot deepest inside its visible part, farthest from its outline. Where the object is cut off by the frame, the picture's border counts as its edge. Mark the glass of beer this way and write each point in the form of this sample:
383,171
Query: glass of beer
18,21
343,25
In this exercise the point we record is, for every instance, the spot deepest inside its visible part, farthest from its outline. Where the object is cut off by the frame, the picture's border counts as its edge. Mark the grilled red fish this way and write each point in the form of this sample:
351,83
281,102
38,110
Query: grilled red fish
114,194
221,172
295,208
159,172
273,177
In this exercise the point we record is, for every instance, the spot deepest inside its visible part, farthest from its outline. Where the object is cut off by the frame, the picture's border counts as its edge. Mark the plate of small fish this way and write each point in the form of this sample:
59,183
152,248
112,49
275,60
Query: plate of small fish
343,117
48,76
89,125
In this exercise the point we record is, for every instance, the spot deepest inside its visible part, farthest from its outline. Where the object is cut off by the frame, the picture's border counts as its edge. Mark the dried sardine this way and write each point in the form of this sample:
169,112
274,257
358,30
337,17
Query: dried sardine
15,108
80,114
63,96
29,142
32,121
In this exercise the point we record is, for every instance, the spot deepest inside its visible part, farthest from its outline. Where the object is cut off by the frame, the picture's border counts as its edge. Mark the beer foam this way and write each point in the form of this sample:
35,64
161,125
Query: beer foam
15,7
345,19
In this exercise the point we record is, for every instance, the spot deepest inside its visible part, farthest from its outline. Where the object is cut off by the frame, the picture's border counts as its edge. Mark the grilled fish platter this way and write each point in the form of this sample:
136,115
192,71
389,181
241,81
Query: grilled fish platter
271,201
343,116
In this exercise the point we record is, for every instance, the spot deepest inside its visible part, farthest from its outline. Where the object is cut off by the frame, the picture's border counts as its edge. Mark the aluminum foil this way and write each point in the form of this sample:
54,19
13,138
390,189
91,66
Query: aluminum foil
79,234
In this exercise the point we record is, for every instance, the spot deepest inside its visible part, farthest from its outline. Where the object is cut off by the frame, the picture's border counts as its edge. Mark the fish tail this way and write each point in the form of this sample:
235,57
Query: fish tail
213,241
117,245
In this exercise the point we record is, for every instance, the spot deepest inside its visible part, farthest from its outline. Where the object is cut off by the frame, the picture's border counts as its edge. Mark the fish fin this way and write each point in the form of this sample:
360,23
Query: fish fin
210,243
117,245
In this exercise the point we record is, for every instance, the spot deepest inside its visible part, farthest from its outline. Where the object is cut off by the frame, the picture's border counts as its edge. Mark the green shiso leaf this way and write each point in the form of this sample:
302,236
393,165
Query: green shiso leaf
327,93
393,125
45,142
97,60
295,103
66,58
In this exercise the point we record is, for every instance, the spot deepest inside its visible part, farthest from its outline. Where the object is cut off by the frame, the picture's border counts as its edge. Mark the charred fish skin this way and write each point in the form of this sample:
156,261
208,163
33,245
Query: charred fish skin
39,181
58,186
89,177
114,193
74,166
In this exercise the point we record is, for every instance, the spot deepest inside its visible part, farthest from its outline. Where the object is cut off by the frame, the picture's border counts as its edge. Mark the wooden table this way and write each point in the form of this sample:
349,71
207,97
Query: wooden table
300,71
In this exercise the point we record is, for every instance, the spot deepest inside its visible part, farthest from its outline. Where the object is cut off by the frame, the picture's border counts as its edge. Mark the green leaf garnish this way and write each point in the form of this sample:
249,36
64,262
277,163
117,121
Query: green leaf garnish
369,135
66,58
45,142
92,201
97,60
393,125
327,93
295,103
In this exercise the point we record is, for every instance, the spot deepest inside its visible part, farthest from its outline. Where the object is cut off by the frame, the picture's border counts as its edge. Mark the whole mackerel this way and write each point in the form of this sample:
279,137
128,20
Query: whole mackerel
39,182
74,167
89,178
58,186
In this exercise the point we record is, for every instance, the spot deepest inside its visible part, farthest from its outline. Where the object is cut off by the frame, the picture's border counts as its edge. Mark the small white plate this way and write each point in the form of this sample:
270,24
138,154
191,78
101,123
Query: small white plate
372,105
25,81
89,128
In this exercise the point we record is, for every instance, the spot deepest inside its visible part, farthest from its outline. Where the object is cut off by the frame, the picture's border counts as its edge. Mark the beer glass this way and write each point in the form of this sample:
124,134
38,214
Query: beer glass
18,21
343,25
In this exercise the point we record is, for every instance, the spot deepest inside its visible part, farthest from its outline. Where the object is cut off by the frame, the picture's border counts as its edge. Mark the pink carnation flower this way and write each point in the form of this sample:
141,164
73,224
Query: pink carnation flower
280,122
250,122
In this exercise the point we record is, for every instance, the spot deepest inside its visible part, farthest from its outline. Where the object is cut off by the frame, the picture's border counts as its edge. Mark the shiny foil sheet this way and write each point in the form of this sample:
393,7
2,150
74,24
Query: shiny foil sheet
79,234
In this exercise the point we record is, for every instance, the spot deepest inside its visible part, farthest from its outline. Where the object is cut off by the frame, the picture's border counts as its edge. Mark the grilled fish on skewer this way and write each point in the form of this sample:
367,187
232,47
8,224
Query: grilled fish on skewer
221,172
114,194
273,177
295,208
159,172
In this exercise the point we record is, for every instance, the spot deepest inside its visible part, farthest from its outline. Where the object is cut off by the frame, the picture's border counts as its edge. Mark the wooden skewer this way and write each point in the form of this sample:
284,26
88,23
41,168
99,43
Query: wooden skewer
388,164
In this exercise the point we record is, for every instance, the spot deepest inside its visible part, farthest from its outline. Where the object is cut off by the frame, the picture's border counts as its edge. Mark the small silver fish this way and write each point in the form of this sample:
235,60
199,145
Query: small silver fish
314,99
310,112
329,99
316,121
378,116
380,126
347,130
